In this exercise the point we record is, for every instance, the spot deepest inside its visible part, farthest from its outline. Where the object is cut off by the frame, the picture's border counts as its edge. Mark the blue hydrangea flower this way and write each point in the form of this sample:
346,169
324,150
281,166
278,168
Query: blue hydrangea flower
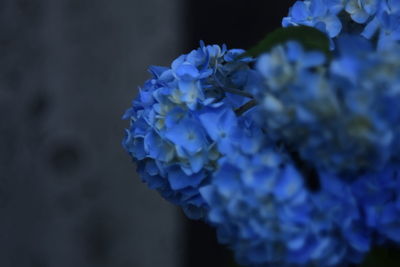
321,14
372,93
361,10
173,147
385,23
340,119
293,159
263,210
378,195
335,17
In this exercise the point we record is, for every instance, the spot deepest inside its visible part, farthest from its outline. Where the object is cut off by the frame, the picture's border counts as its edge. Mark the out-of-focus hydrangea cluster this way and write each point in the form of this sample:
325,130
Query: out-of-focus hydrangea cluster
340,117
263,208
292,156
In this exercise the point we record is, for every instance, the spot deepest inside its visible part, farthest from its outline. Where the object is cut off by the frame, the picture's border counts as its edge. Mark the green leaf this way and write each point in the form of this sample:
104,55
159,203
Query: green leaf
310,38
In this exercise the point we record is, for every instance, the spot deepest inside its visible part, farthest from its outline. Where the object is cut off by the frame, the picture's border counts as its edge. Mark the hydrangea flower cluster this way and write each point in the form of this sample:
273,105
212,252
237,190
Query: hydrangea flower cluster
174,153
321,14
370,18
262,207
353,98
293,156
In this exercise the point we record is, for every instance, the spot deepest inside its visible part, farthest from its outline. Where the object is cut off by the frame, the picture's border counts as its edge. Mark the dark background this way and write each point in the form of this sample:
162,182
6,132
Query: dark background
69,195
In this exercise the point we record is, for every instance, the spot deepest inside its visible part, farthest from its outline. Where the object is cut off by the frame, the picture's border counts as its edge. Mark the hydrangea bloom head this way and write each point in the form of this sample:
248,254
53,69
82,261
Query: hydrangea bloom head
262,208
174,150
333,117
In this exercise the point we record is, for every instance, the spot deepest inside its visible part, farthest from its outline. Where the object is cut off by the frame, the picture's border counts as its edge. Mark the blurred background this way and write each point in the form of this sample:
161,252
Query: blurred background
69,195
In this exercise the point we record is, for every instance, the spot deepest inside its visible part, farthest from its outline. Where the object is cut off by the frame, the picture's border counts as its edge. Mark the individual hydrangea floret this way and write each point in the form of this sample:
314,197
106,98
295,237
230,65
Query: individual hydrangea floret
361,10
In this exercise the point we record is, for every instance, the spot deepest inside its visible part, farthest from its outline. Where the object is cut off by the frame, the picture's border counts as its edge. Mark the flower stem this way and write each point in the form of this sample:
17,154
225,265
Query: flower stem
249,105
238,92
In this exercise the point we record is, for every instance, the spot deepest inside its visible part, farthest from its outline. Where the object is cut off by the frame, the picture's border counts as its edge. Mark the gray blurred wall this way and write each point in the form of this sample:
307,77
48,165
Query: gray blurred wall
69,195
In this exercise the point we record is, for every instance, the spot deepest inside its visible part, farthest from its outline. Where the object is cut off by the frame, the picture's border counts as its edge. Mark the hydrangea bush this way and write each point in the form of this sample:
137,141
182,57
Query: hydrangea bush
291,153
